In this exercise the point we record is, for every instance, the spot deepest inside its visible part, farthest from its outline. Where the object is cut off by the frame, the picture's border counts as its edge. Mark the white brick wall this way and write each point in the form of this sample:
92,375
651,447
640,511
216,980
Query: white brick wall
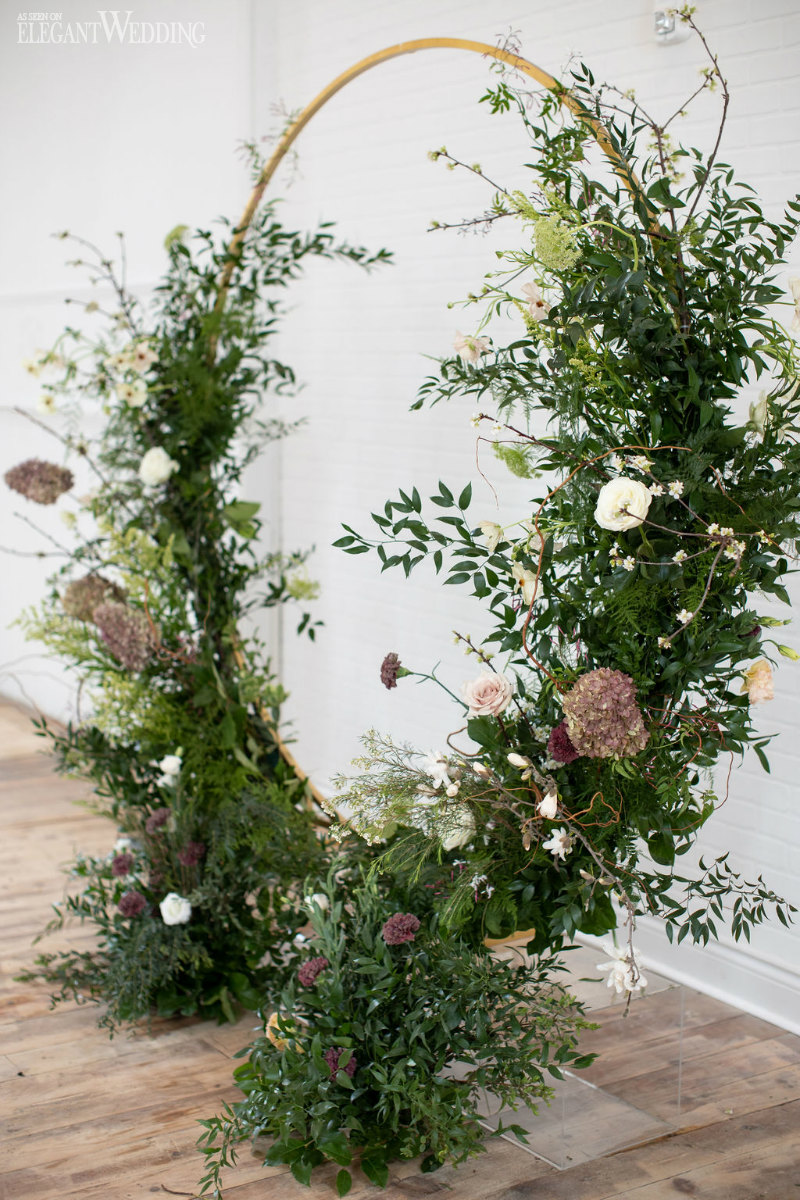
141,140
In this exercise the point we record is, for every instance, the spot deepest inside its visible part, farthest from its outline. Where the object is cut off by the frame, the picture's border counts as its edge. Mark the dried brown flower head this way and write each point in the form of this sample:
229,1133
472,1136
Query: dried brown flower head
42,482
603,718
82,596
126,632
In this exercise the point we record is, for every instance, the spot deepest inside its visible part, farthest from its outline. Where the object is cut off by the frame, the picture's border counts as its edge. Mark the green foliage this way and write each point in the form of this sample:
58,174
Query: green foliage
420,1028
181,746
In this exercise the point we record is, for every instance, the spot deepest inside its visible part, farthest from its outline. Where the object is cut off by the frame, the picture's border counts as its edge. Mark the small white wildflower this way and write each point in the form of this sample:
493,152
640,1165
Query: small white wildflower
712,529
437,768
629,563
656,489
537,305
684,616
559,843
134,394
664,643
726,531
679,556
475,420
675,488
317,900
470,348
641,462
624,974
46,404
497,428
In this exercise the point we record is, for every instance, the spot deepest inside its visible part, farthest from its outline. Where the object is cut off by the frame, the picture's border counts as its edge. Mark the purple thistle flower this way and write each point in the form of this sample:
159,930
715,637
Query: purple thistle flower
191,854
559,745
127,633
121,865
307,974
157,819
132,904
389,668
332,1057
42,482
400,928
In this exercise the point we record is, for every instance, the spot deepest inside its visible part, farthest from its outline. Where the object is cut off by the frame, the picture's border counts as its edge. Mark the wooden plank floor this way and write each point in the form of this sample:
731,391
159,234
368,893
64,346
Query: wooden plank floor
88,1117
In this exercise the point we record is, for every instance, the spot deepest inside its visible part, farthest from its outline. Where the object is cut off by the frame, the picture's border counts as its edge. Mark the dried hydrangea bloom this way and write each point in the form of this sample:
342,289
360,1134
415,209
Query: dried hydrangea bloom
559,745
126,632
191,854
332,1057
400,928
307,974
389,668
83,596
42,482
132,904
603,718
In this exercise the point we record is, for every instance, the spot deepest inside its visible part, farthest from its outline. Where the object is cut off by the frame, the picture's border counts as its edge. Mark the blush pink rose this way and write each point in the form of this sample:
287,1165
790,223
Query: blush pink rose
488,695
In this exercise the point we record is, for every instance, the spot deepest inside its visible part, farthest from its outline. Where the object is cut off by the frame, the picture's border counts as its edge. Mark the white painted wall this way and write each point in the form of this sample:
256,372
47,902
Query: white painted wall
140,139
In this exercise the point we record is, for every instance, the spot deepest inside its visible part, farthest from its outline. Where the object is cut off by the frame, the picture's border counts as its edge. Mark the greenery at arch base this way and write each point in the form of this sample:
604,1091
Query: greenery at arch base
626,654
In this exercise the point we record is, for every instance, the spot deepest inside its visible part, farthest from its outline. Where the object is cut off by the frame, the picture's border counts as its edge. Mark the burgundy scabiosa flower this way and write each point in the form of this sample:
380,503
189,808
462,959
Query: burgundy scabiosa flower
82,596
400,928
389,668
332,1057
132,904
603,718
42,482
559,745
127,633
121,865
191,854
307,974
157,819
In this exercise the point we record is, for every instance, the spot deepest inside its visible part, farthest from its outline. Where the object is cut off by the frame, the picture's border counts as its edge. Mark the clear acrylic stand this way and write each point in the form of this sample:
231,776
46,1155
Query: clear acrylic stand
630,1095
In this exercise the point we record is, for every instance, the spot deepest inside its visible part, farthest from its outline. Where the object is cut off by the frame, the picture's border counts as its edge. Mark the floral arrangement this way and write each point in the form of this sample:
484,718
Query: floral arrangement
177,731
384,1039
627,651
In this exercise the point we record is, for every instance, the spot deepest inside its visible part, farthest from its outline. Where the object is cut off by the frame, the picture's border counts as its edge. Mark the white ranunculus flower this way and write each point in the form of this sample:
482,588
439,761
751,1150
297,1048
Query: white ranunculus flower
156,467
622,503
171,764
460,832
175,909
319,899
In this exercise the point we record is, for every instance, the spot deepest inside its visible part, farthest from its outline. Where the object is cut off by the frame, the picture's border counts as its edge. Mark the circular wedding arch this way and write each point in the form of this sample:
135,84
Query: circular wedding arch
519,64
